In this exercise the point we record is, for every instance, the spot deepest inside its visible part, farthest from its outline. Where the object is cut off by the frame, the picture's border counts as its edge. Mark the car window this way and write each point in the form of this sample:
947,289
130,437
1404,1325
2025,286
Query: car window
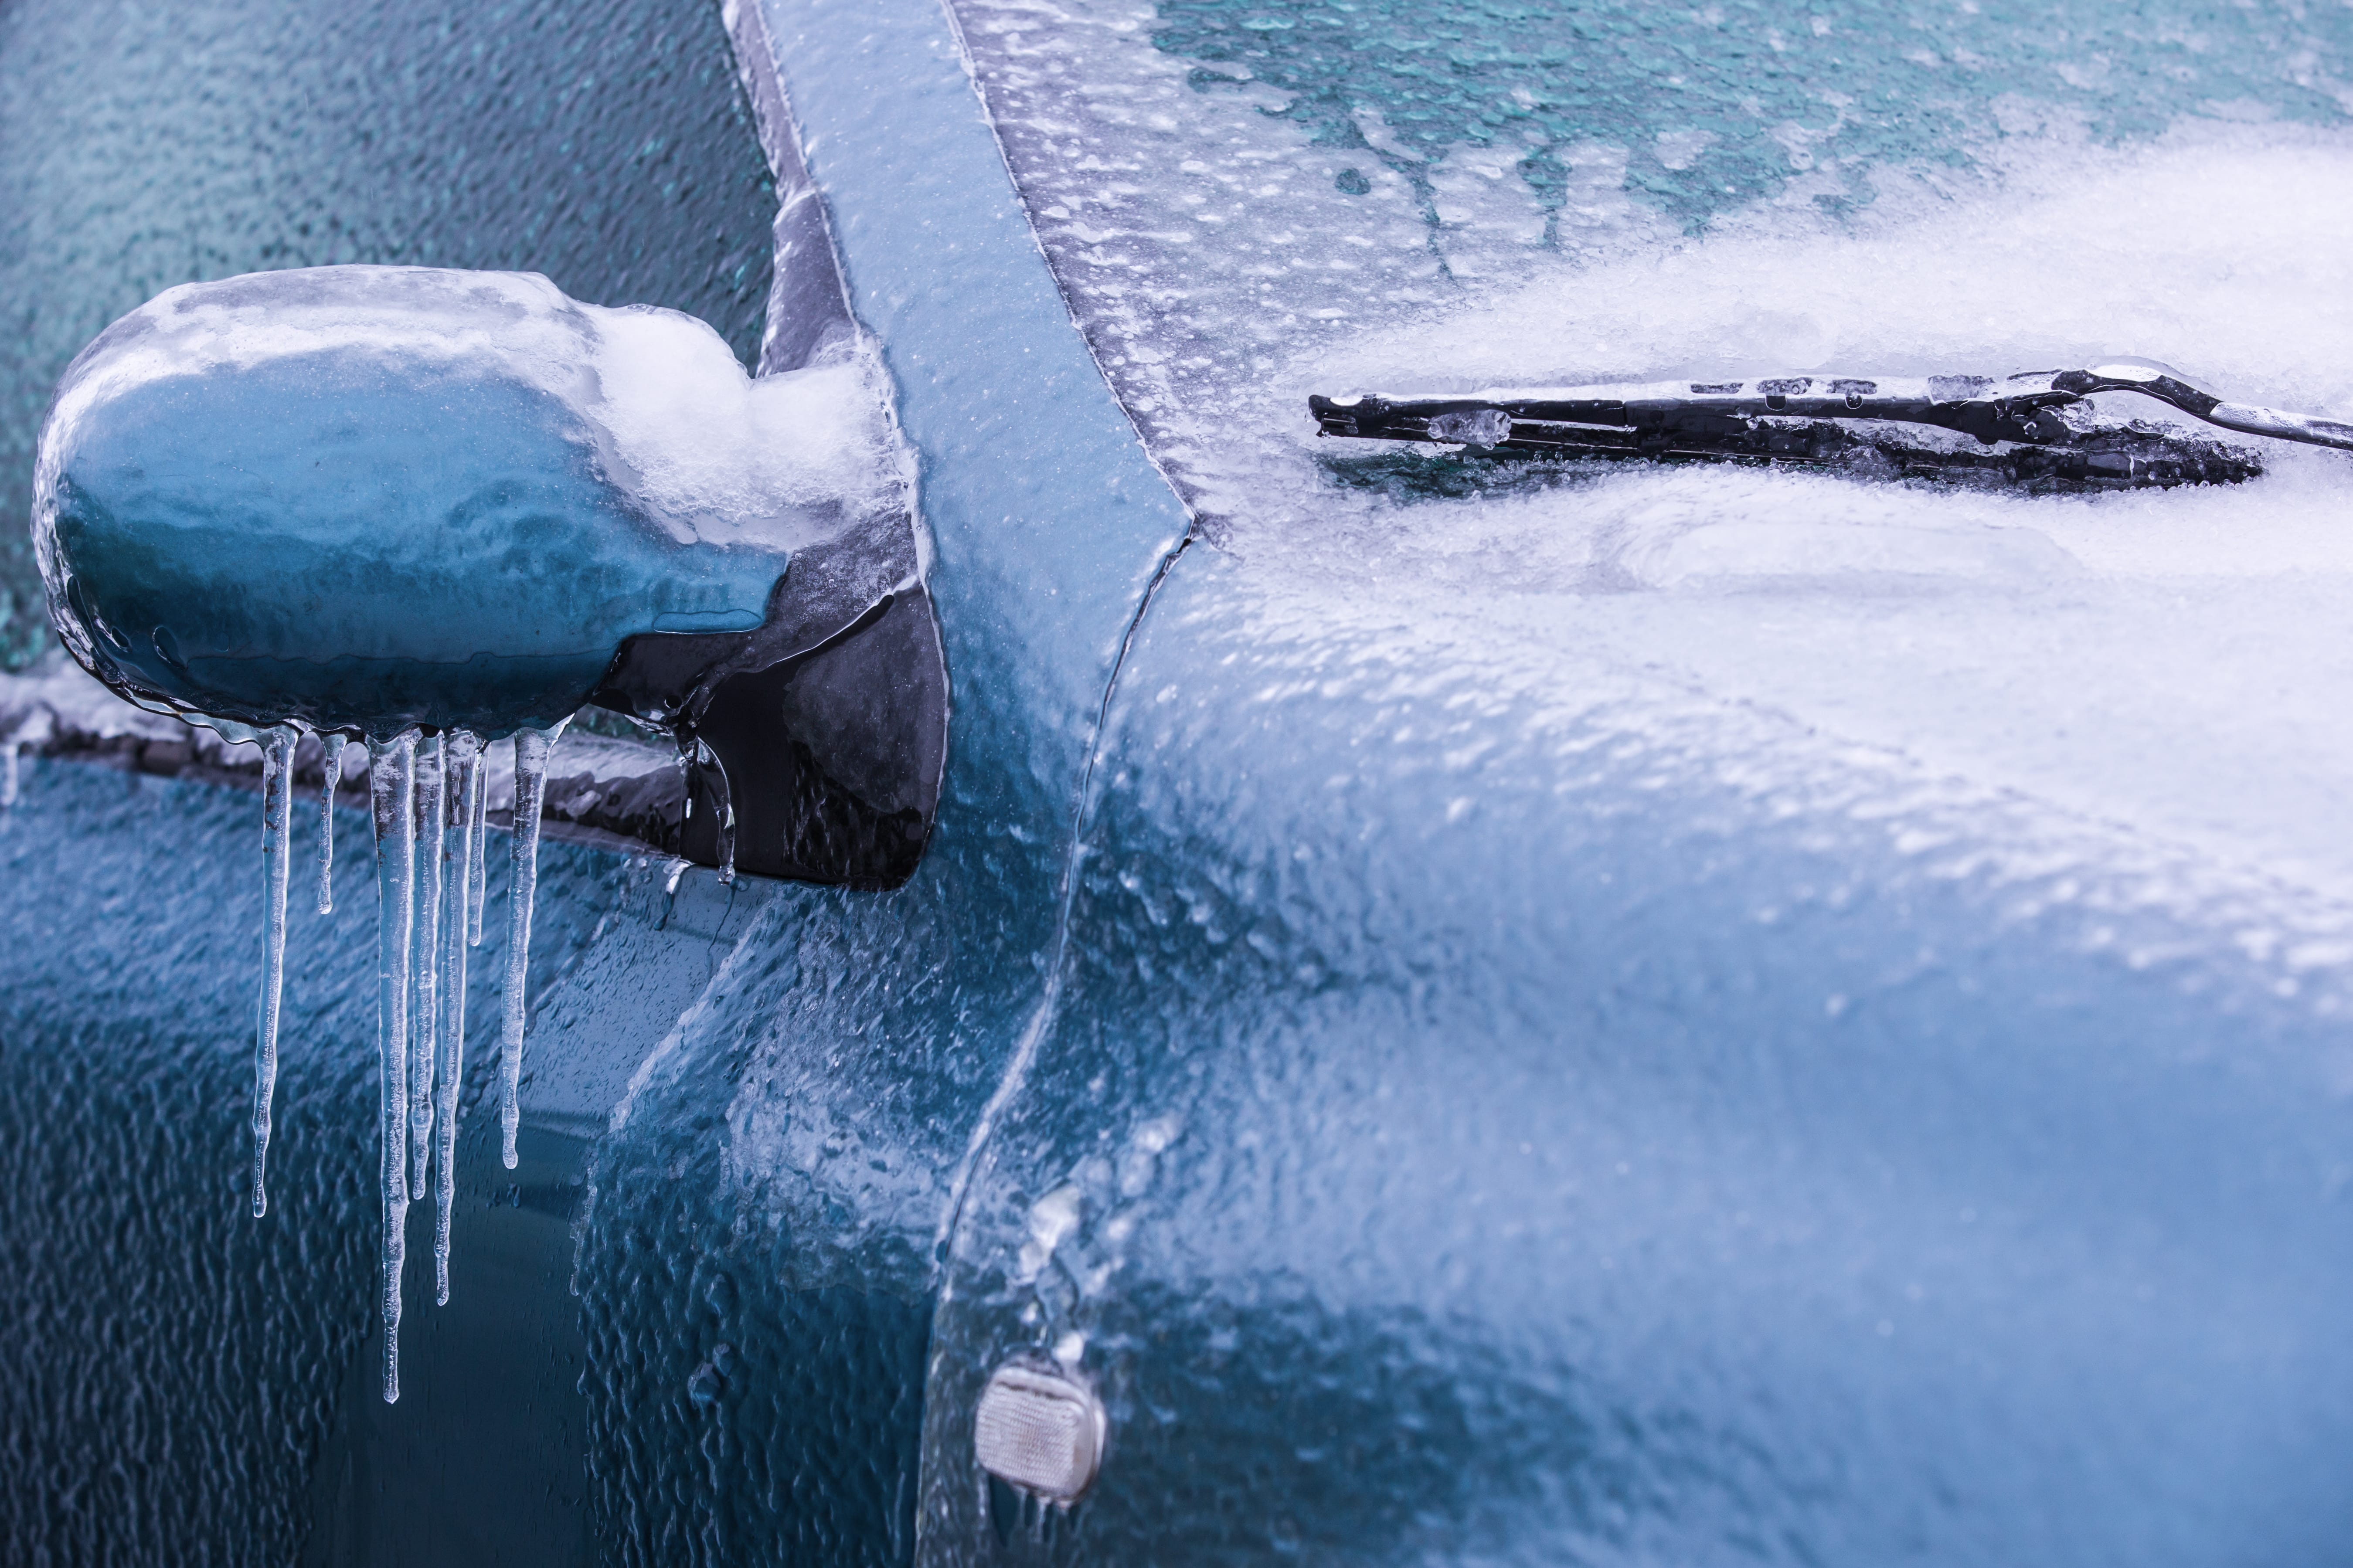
610,148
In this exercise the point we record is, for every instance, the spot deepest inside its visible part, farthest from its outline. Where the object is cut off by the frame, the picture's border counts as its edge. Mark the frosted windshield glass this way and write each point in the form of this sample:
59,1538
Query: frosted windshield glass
1247,204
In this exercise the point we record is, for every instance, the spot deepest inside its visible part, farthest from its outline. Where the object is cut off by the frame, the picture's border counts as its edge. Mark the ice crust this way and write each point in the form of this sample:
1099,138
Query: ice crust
2167,664
425,508
367,497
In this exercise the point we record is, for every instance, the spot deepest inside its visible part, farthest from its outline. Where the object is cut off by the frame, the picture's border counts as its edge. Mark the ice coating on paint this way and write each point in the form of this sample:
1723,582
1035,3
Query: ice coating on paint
246,490
28,732
462,759
553,477
1968,630
392,795
530,748
331,765
277,844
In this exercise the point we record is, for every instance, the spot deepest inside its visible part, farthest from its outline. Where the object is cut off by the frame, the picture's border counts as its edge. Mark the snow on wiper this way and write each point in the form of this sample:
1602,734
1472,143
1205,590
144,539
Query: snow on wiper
2037,427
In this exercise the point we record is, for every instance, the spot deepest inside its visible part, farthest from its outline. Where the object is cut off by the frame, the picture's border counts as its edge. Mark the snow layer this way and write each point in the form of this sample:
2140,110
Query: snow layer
716,457
2171,663
2163,666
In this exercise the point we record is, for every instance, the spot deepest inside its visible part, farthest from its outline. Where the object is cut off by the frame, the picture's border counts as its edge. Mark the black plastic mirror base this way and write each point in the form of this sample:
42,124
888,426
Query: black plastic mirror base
829,750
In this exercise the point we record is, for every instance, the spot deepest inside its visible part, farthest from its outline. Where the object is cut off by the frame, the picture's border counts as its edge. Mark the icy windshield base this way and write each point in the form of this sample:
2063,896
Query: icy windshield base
1248,204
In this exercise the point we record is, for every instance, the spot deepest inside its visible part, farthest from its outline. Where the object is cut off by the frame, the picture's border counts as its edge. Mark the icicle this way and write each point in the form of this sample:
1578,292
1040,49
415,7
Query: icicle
331,763
463,760
424,969
714,771
392,794
531,747
277,844
476,875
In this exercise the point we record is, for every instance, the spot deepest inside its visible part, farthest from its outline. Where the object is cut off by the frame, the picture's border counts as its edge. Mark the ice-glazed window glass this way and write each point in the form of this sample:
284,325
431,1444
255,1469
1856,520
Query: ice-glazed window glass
607,146
1247,199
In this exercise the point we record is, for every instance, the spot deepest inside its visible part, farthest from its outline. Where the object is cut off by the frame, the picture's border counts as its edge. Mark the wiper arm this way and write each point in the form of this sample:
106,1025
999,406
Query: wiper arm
2151,380
2030,426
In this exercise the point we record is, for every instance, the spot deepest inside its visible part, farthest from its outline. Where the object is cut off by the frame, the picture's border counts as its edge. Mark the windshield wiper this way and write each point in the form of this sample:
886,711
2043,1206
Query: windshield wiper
2035,427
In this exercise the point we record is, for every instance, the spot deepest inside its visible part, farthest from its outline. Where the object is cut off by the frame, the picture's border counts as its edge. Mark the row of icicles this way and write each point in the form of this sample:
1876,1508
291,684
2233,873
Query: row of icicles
426,796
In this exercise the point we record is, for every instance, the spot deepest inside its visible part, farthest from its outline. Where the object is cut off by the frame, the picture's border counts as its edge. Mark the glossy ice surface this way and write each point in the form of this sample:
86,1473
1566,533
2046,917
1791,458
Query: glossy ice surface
364,498
1628,1015
1712,107
1610,1016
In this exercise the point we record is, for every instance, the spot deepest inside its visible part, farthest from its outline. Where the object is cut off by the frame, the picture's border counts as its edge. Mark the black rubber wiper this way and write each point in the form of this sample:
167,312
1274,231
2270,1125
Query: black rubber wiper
2034,427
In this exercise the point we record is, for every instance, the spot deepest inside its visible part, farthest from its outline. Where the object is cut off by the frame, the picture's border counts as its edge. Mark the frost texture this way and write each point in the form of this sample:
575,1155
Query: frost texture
1521,102
1221,275
1590,1079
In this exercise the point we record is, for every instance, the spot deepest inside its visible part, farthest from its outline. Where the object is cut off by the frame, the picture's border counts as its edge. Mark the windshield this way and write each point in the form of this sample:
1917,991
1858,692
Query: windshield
1249,203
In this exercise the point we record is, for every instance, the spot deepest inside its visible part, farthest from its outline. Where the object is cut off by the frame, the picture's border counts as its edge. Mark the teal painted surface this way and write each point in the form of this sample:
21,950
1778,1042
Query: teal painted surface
704,1329
187,1385
608,146
1858,84
794,1153
1511,1109
1513,1098
365,537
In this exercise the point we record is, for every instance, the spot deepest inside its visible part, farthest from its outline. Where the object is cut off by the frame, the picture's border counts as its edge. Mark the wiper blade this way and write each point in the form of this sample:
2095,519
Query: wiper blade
2034,426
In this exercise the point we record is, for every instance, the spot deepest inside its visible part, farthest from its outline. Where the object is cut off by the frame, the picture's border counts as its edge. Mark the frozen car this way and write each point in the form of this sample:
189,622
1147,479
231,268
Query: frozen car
1452,1006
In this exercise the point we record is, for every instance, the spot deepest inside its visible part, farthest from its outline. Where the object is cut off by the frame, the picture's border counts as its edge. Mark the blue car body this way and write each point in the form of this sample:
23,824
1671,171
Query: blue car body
1454,1092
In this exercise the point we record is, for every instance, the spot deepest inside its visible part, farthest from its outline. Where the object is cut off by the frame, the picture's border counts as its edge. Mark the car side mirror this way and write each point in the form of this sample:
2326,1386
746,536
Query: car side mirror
365,499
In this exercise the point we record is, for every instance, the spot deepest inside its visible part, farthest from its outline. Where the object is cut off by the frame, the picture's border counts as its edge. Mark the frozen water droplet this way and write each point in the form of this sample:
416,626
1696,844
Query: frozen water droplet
713,775
276,825
229,730
531,747
331,766
392,797
1473,428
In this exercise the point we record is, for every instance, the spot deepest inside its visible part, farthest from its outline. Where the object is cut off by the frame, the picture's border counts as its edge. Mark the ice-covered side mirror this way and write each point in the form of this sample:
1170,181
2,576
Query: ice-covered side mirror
432,507
363,500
